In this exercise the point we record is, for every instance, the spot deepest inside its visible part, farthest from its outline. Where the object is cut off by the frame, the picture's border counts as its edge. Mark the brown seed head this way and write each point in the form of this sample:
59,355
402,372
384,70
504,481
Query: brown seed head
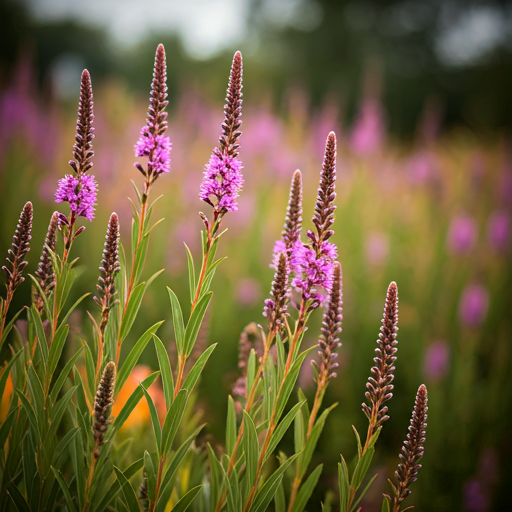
379,384
44,273
82,149
331,327
19,248
103,403
275,309
156,117
228,141
323,217
412,450
293,221
108,270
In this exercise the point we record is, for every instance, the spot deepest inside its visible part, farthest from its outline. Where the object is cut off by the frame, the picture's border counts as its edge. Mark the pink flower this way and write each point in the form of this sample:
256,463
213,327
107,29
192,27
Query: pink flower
79,192
436,362
462,235
498,227
377,248
473,305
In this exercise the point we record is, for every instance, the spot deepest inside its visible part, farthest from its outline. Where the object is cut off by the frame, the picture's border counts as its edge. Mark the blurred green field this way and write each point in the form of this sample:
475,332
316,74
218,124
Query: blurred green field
433,215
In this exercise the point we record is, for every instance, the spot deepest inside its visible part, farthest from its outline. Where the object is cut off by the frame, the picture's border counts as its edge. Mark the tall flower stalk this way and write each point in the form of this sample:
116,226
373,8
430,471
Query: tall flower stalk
155,147
16,261
412,452
328,344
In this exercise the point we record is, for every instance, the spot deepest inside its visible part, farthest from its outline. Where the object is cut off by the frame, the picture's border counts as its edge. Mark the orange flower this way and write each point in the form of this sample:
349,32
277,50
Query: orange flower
6,399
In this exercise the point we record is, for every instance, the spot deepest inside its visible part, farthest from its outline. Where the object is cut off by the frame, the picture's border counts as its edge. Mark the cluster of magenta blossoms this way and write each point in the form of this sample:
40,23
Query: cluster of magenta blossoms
222,182
80,192
156,148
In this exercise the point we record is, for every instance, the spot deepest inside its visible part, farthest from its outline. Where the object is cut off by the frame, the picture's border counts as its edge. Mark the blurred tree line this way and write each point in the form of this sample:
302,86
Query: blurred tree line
386,47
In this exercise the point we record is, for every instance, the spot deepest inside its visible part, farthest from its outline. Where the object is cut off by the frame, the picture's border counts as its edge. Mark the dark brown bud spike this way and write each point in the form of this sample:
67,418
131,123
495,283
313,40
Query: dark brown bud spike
379,385
108,270
228,141
156,116
19,248
412,450
276,308
103,404
323,217
331,327
45,273
82,149
293,221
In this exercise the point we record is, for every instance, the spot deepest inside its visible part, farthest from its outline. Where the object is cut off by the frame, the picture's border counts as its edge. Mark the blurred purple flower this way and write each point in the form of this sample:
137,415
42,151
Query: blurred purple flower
498,227
473,305
79,192
376,248
248,292
436,362
421,167
369,130
462,235
222,181
475,499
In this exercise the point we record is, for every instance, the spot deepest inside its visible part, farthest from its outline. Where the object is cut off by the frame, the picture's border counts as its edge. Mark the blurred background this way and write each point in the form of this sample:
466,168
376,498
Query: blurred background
418,93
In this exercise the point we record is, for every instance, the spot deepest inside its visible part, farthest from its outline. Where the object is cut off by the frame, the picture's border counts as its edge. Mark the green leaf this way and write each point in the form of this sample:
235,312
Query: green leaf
59,410
266,493
131,310
154,418
115,488
173,420
90,371
178,457
165,370
177,319
63,375
185,502
132,402
36,392
194,324
56,349
5,428
18,499
299,434
343,484
41,336
196,370
129,493
251,448
151,474
70,310
231,426
307,453
4,372
217,477
31,415
289,383
191,274
63,443
362,493
251,371
78,459
65,490
362,468
358,439
279,499
307,489
374,437
385,505
140,256
8,327
281,429
134,355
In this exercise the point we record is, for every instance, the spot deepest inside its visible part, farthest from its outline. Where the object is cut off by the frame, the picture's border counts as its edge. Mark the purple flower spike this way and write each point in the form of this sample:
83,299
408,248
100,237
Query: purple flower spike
222,182
223,179
473,305
80,193
153,144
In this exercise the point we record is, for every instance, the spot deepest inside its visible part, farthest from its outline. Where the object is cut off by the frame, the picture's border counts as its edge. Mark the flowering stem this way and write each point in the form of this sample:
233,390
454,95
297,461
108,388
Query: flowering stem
273,420
131,282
